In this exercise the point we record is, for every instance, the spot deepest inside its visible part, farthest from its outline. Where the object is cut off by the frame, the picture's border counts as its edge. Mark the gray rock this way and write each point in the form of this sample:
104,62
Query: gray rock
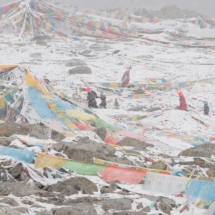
158,165
138,108
139,206
5,142
74,185
37,206
86,53
10,202
45,213
101,132
153,109
139,91
9,211
75,62
110,189
19,189
161,205
85,150
76,209
80,70
168,201
17,171
137,144
37,130
22,210
204,150
27,202
117,204
150,197
87,200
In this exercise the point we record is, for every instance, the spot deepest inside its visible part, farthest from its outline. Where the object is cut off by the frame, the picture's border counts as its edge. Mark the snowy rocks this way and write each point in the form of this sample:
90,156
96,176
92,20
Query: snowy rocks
137,144
80,70
101,132
74,185
86,149
75,62
117,204
76,209
204,150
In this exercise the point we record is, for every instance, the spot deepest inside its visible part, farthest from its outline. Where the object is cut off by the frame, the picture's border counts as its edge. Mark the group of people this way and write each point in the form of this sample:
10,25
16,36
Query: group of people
183,104
92,96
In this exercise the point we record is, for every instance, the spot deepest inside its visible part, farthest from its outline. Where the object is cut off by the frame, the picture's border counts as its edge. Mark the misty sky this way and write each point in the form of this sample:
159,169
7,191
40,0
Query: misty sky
205,7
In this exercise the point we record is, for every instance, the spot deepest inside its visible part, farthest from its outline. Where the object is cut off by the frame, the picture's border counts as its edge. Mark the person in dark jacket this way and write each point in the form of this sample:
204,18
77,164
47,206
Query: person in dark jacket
91,97
183,103
103,103
206,108
116,103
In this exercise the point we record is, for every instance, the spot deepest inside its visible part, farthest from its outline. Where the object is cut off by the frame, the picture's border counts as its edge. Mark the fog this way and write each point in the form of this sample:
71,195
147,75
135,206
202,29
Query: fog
206,7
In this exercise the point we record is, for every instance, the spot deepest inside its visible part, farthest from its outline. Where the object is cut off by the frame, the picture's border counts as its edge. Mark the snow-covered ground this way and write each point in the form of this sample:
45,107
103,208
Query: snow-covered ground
151,62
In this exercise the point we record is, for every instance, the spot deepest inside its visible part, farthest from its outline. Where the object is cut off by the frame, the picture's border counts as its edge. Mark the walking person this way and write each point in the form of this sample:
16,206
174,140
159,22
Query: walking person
206,108
103,103
91,97
183,103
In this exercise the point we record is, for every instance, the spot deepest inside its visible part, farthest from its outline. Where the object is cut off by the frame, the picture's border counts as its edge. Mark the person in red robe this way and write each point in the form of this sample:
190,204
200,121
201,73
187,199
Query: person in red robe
183,103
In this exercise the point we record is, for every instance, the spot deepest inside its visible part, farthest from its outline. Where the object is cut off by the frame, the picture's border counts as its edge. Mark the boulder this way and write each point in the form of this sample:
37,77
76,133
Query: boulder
9,211
204,150
117,204
85,150
164,207
10,202
17,171
158,165
80,70
19,189
75,62
37,130
138,108
45,213
74,185
76,209
101,132
153,109
137,144
170,12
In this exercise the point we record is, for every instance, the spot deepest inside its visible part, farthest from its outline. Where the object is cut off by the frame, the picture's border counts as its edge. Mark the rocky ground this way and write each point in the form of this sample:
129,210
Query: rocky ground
80,195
